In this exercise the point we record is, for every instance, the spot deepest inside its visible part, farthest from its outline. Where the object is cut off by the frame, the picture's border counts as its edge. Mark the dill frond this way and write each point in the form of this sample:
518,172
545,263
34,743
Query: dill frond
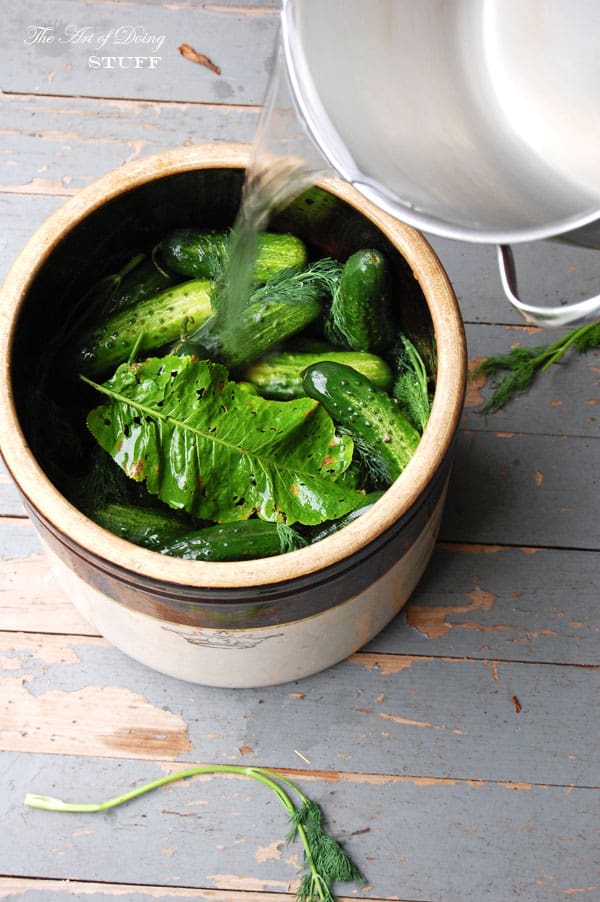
411,387
513,373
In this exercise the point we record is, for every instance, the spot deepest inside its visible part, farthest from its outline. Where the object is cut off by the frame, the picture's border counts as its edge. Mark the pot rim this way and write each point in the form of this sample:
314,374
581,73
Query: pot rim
67,520
333,149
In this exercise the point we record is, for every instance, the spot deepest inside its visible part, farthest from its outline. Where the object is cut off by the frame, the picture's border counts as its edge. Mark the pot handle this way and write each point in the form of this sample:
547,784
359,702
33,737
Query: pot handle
541,316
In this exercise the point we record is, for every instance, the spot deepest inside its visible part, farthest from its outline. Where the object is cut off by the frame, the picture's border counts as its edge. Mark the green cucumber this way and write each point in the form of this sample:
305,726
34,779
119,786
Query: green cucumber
279,375
139,283
147,526
360,317
202,254
284,306
149,324
382,433
333,526
241,541
261,325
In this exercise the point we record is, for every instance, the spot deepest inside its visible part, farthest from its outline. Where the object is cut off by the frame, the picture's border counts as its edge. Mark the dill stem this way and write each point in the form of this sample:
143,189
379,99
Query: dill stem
555,351
266,777
48,803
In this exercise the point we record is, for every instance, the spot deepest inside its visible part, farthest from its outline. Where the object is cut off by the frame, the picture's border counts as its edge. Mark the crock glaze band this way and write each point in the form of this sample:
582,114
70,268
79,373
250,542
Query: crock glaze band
259,606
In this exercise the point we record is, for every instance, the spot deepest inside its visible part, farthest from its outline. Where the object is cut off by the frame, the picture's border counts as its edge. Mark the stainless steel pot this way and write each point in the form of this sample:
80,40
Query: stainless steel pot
477,120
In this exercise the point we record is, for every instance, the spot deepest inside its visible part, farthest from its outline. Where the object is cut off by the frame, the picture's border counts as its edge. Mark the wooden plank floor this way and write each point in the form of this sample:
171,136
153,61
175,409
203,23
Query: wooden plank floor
457,755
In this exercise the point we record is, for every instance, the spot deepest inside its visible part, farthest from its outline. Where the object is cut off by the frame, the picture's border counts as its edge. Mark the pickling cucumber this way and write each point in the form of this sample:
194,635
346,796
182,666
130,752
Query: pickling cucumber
282,307
146,526
333,526
151,323
360,317
198,253
262,325
279,375
141,282
382,433
240,541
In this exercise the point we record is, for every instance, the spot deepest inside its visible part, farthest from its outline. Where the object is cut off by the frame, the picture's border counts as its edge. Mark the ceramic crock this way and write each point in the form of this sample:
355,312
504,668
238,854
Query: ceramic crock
258,622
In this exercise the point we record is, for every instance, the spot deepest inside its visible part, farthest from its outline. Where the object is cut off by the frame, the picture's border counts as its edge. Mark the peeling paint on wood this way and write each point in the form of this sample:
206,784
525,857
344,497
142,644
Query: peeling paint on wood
30,598
81,721
247,884
433,622
473,395
40,890
385,664
389,827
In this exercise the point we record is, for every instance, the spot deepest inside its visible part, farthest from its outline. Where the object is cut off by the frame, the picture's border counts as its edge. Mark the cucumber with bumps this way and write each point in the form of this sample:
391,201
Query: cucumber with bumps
360,317
279,375
151,323
198,253
146,526
381,431
240,541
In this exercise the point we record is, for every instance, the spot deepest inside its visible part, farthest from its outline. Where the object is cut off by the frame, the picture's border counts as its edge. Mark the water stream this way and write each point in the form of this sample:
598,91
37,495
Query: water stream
284,162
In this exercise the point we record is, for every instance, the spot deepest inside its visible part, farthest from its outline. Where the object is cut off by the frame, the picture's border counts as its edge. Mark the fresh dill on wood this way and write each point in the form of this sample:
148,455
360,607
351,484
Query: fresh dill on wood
521,365
325,862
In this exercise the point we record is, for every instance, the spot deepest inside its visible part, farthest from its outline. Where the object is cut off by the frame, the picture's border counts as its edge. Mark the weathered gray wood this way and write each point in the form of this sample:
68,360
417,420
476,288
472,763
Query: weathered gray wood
412,837
60,891
489,601
549,273
425,716
62,66
511,488
475,601
18,539
34,890
31,598
21,216
563,400
60,145
10,500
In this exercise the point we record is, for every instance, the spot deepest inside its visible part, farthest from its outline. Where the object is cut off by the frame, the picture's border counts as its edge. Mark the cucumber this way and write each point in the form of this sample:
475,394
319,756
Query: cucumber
360,317
141,282
284,306
197,253
262,325
141,525
333,526
241,541
279,375
382,433
153,322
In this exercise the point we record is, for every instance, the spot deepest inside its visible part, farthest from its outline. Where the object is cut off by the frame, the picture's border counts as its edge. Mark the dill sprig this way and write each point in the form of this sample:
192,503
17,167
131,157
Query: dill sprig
411,386
327,861
289,539
521,365
324,859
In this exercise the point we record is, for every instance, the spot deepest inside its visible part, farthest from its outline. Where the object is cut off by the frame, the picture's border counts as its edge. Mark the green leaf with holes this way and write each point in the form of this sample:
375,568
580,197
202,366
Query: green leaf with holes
204,444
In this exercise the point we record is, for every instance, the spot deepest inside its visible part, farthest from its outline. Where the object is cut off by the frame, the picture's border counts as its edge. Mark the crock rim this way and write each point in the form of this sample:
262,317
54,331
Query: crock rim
435,443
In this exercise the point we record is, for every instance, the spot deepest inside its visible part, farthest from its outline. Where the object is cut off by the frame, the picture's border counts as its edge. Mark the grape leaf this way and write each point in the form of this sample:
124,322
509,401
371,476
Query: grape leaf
206,445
